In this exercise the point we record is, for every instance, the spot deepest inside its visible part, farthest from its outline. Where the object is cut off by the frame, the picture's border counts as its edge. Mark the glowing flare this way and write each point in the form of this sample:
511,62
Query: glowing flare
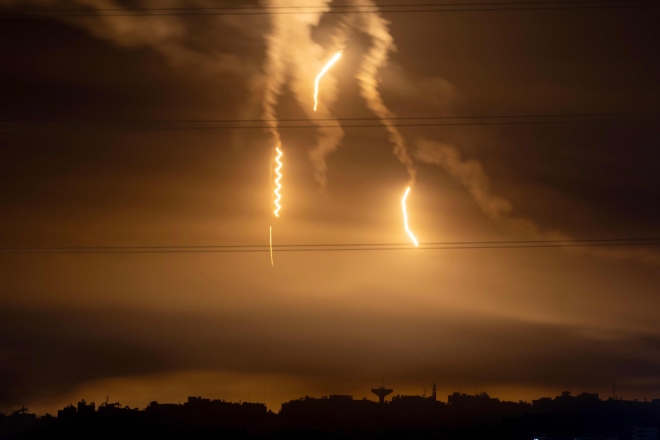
327,67
405,217
278,186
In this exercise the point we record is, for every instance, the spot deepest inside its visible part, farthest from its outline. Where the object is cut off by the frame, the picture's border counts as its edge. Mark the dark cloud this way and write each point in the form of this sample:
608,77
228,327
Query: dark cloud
60,350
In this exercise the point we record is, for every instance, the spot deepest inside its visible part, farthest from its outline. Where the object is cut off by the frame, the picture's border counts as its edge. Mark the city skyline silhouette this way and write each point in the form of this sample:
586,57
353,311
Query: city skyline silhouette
235,208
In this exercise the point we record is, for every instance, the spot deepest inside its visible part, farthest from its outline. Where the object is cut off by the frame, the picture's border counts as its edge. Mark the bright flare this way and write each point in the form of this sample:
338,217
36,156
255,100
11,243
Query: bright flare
278,186
327,67
405,217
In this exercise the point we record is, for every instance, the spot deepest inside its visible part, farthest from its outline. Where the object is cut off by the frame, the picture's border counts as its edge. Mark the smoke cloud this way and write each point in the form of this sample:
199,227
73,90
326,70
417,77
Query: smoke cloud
472,176
382,43
169,35
291,54
291,51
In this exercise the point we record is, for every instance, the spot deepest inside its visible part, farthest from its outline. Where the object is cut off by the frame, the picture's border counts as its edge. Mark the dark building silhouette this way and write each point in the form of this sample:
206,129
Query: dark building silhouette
20,421
207,412
23,416
114,409
85,409
481,400
463,417
219,409
328,412
68,412
381,393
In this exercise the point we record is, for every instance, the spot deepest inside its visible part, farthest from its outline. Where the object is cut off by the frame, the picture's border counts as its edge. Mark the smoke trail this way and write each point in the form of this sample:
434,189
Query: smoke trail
382,43
473,177
291,54
374,26
168,35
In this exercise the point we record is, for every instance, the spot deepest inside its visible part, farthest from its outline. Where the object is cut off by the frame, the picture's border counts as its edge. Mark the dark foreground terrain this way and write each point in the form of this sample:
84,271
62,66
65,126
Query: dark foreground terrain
463,417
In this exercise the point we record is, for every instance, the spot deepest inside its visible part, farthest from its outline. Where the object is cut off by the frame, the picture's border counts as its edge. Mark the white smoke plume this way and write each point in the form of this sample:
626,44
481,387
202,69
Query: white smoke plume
166,34
292,54
473,177
382,43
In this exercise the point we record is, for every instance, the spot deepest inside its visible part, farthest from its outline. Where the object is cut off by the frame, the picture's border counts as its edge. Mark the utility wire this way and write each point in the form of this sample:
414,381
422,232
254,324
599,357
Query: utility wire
599,240
385,9
331,247
311,120
324,123
307,7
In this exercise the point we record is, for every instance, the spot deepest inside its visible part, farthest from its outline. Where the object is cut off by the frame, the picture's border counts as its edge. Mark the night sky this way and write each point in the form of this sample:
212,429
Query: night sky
101,145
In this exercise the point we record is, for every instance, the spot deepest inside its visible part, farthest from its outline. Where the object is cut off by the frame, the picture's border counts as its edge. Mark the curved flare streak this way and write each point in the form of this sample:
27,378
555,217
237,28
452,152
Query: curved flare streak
327,67
405,217
278,186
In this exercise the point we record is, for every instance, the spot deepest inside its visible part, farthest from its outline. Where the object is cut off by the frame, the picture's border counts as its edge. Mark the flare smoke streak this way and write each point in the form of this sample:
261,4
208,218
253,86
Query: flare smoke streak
292,54
473,177
382,43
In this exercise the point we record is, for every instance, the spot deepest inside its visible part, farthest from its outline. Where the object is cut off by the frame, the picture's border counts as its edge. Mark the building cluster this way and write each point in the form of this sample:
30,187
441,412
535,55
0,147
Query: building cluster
197,409
584,416
84,409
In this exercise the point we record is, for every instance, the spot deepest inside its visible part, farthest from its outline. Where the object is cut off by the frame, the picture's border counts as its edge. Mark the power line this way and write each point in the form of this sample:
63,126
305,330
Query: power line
330,123
394,118
331,247
306,8
385,9
462,124
595,240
